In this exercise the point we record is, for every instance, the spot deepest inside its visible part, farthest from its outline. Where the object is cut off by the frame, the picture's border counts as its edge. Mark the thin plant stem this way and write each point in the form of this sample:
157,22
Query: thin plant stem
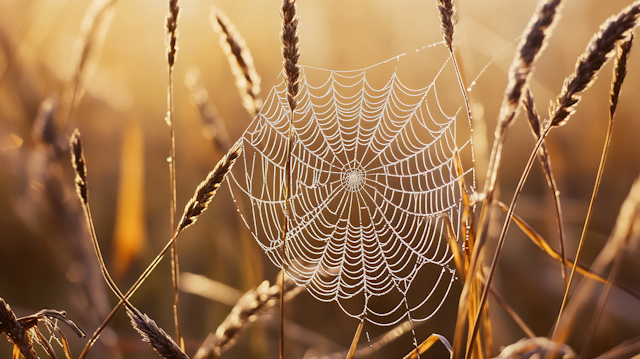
171,27
555,194
545,161
501,240
601,302
128,295
175,269
603,158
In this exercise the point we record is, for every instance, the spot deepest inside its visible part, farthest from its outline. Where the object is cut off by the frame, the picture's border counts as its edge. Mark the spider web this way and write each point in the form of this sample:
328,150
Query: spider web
372,178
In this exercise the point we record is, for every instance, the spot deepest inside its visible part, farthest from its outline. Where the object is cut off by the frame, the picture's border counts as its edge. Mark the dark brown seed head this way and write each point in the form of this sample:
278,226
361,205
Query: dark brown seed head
616,29
533,40
172,29
79,166
447,13
619,73
531,112
240,59
207,189
161,342
290,51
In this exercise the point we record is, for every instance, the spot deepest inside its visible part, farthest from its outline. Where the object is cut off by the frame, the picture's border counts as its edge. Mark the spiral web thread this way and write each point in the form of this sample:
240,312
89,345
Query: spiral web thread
372,175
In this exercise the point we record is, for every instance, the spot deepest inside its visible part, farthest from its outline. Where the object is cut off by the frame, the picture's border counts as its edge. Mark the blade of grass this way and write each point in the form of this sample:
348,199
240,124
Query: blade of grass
354,343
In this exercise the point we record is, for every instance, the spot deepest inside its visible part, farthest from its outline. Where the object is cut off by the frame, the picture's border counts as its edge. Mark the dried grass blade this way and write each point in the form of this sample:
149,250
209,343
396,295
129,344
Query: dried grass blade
240,60
354,343
542,244
626,234
512,313
65,344
623,350
428,343
44,343
453,244
536,348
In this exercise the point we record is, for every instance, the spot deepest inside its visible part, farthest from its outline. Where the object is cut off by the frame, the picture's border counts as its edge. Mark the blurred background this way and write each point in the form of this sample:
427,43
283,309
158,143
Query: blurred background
45,256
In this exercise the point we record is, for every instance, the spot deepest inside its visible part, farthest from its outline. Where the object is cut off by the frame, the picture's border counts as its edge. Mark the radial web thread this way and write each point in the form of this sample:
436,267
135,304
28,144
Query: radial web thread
372,175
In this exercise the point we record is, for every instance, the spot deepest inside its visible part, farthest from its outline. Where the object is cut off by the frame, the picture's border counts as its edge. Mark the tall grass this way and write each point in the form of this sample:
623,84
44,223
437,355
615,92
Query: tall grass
479,250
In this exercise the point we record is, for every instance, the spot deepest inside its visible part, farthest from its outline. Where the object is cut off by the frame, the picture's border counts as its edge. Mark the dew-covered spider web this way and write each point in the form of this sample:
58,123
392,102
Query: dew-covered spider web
372,182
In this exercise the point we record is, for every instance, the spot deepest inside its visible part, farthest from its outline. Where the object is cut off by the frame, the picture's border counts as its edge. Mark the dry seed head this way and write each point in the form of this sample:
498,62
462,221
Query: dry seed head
616,29
240,60
94,28
44,129
79,166
290,51
207,188
172,31
447,13
253,303
214,127
531,112
161,342
532,42
619,72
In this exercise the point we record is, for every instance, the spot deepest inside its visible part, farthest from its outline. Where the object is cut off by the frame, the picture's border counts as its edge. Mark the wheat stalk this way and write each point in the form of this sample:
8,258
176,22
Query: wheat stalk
172,40
529,48
291,55
616,29
207,188
240,60
145,274
543,156
619,73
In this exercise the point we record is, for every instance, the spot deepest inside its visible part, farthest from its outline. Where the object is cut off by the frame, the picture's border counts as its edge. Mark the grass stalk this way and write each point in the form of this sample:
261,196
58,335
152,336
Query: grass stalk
291,55
618,79
172,39
533,40
194,208
619,74
545,161
614,31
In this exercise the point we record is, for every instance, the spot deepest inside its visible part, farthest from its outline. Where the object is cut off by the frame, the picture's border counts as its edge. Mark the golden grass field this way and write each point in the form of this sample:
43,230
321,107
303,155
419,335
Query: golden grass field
46,257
